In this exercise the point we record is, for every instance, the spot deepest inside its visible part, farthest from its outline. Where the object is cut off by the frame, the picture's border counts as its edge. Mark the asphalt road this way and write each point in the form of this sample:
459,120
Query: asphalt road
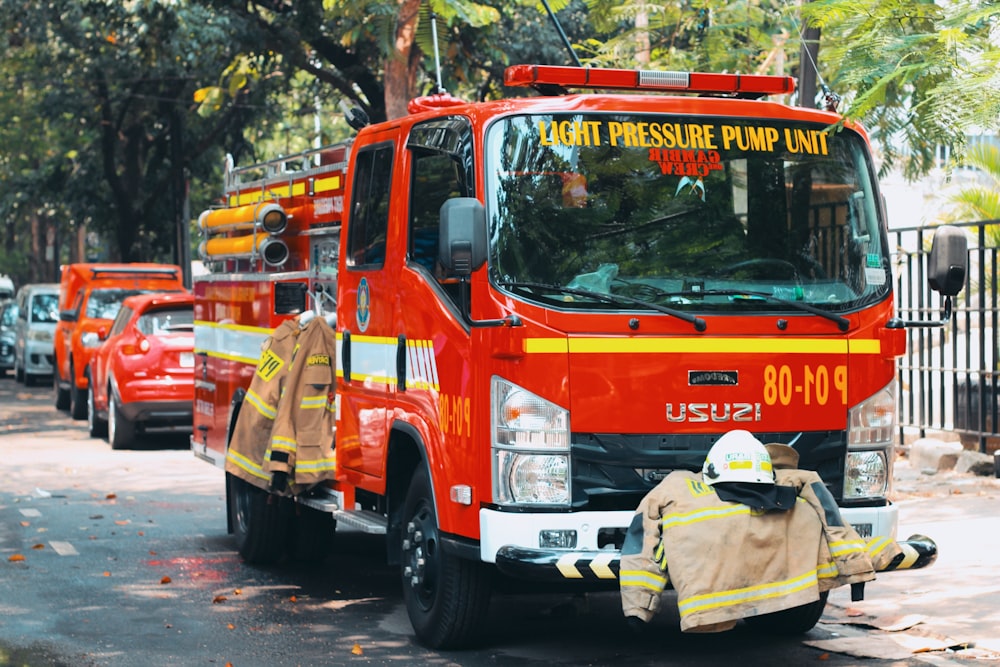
121,558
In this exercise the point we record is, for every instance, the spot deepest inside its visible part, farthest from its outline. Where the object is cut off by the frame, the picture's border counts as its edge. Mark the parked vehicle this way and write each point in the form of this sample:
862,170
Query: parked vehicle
544,306
90,296
37,314
8,317
142,375
6,287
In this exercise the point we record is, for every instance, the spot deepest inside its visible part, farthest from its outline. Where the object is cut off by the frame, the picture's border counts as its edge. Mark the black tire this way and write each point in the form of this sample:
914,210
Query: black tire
29,379
794,621
98,427
62,395
313,538
260,522
77,398
447,598
121,431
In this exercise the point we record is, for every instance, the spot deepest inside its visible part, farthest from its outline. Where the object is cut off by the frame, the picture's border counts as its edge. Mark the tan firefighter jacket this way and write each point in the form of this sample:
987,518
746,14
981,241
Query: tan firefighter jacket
728,561
302,437
252,434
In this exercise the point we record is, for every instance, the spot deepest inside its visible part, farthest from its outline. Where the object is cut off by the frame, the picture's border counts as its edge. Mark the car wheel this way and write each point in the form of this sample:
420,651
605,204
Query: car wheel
447,597
121,431
795,621
77,399
62,395
259,520
98,427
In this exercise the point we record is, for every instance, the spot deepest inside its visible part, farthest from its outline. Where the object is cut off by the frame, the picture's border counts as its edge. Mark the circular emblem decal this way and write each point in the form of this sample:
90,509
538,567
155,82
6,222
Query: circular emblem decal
364,305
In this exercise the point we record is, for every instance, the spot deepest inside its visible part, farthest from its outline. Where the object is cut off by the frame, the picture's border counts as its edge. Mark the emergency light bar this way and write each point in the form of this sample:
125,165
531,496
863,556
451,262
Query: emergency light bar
267,215
740,85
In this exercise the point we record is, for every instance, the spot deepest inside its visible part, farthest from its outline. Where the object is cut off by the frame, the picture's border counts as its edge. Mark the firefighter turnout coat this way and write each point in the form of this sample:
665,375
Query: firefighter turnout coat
728,561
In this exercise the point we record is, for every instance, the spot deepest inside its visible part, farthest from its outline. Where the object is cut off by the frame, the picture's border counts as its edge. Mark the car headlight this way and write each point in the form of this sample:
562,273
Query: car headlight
530,447
40,335
871,430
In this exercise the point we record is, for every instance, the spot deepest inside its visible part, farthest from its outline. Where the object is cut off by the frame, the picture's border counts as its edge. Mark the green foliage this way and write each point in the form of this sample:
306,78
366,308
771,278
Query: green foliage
918,73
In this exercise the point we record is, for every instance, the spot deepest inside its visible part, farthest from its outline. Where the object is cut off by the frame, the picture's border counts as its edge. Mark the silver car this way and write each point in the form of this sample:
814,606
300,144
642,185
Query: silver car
8,316
34,348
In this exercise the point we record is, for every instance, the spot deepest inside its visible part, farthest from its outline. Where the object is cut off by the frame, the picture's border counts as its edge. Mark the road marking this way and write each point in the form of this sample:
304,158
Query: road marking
30,512
64,548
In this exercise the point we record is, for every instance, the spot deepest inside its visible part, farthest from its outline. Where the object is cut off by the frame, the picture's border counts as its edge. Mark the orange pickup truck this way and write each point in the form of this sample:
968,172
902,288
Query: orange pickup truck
90,296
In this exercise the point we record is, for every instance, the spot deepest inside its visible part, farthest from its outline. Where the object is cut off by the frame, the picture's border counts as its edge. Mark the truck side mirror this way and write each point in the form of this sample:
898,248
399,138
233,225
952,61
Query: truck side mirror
949,261
67,316
462,236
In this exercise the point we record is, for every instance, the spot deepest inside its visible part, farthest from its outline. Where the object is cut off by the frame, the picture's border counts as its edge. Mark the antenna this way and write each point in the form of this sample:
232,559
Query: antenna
437,57
562,35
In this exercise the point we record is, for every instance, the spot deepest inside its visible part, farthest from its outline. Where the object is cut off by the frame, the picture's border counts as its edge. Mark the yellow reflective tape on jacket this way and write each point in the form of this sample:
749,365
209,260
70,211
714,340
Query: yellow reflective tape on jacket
314,402
245,464
846,547
283,444
263,407
642,579
313,467
707,514
697,603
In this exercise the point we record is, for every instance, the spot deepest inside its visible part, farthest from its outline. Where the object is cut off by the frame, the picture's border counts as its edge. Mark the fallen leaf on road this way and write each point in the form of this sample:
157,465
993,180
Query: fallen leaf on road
37,546
230,626
122,522
219,599
165,580
111,496
852,611
15,558
238,591
107,574
357,650
25,523
142,533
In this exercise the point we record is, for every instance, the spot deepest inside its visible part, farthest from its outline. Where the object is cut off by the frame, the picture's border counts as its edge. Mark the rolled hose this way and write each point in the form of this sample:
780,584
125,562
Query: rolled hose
918,551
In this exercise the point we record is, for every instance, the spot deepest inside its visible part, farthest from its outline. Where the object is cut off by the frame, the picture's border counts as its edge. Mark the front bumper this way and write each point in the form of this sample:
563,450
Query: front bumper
504,536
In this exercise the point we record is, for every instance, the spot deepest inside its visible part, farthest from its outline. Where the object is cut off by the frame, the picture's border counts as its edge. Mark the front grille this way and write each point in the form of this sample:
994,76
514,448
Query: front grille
615,471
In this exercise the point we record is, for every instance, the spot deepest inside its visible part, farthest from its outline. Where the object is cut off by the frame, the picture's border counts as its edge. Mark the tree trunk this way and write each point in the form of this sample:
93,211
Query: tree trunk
401,65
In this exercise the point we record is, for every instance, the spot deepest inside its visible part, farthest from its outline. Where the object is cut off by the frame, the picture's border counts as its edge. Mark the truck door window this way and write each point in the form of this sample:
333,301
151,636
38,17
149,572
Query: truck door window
369,222
441,159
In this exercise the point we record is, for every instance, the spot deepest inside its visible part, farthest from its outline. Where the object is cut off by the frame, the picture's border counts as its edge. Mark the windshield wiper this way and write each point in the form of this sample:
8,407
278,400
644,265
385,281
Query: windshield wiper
842,322
614,299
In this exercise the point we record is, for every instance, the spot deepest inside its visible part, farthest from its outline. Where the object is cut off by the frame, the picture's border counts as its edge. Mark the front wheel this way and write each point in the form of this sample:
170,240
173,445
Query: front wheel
77,398
447,598
62,395
260,521
97,426
795,621
121,431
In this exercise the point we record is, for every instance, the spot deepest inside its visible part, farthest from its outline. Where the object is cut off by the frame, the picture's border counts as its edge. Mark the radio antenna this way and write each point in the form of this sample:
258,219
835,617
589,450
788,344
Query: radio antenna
437,57
562,35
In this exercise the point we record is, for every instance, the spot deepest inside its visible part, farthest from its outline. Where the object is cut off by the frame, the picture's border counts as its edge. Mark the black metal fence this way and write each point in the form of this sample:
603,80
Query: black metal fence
949,378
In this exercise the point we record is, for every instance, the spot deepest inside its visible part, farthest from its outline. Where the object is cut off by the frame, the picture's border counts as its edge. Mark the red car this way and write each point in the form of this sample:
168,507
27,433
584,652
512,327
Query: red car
142,375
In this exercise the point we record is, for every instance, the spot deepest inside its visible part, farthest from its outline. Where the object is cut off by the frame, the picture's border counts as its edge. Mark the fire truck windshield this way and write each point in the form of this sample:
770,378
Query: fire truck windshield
694,213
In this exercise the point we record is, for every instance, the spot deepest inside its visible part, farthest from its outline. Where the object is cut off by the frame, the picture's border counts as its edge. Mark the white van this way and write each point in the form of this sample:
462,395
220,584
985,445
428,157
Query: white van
38,312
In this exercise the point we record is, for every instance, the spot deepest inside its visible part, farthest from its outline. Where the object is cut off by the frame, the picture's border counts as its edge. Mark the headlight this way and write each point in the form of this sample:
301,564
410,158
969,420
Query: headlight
530,447
90,339
40,335
871,430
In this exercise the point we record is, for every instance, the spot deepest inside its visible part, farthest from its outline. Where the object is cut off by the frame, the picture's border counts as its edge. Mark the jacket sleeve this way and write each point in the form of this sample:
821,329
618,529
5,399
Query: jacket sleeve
643,575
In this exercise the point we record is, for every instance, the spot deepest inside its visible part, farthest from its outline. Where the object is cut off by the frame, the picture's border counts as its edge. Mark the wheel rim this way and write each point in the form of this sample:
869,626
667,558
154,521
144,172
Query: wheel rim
420,555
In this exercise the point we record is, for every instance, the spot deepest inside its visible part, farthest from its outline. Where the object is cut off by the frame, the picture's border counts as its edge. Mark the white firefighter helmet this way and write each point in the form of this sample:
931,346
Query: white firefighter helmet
738,457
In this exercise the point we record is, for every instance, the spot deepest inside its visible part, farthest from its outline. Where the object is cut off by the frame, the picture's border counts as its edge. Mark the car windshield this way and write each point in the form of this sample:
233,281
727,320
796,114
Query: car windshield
45,308
166,320
698,214
106,302
9,316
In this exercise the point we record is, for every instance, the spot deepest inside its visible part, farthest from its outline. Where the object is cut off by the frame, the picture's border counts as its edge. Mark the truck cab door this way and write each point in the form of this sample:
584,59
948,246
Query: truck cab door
371,254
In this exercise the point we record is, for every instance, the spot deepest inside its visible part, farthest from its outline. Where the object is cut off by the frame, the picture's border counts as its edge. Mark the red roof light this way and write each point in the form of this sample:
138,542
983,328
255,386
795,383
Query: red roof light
739,85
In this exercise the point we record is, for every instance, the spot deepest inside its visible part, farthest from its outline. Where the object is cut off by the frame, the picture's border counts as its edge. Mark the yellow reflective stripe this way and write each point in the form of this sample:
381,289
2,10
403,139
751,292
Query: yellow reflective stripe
706,514
846,547
720,599
264,408
283,444
245,464
655,344
877,545
642,579
319,465
313,402
827,571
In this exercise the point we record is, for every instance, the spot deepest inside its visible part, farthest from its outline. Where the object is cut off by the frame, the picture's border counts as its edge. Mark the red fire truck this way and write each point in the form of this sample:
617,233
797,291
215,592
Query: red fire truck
545,304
